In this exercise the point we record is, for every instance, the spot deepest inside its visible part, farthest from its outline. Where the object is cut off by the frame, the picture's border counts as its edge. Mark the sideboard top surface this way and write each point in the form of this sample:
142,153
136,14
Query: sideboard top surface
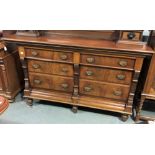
75,42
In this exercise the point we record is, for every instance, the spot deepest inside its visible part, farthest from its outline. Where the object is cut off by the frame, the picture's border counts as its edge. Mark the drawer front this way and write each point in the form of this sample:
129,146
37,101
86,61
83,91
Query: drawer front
131,35
107,61
39,53
104,90
63,84
50,68
40,66
106,75
51,82
40,81
63,56
63,69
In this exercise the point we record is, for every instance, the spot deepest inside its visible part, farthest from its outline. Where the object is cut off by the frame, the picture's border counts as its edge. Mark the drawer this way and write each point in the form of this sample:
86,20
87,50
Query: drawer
131,35
50,68
62,69
106,75
107,61
63,84
51,82
40,66
63,56
39,53
105,90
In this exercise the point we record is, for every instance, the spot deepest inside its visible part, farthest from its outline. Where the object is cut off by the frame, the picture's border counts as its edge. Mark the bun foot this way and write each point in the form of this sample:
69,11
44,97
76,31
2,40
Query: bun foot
74,109
124,117
137,118
29,102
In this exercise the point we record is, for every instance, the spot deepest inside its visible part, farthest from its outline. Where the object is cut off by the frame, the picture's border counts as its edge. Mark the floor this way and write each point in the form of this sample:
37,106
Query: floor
44,112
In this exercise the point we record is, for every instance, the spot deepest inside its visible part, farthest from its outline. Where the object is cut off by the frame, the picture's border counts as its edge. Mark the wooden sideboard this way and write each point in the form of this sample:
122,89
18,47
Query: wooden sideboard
11,74
81,68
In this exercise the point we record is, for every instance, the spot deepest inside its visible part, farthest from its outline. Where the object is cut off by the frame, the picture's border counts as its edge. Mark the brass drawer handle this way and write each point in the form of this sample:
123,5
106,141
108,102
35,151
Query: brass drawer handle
36,81
63,57
90,60
117,93
64,85
123,63
87,89
36,66
89,73
34,53
64,69
120,77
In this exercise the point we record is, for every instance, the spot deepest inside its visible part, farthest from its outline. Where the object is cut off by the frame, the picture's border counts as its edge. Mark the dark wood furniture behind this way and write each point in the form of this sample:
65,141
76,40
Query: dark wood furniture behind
11,74
80,68
148,93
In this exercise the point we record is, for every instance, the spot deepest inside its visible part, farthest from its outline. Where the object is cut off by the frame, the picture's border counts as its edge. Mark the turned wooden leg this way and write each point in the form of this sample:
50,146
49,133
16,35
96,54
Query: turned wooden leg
29,102
137,115
124,117
74,109
139,108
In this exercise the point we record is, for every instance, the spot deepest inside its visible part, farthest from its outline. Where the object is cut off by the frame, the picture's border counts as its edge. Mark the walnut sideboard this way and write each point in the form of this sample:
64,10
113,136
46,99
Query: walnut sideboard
80,70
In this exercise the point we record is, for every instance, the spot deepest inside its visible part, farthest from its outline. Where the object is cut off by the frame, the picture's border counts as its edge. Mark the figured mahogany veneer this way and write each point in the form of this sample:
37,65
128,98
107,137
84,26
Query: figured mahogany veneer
108,61
80,70
106,75
51,82
50,68
105,90
49,54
